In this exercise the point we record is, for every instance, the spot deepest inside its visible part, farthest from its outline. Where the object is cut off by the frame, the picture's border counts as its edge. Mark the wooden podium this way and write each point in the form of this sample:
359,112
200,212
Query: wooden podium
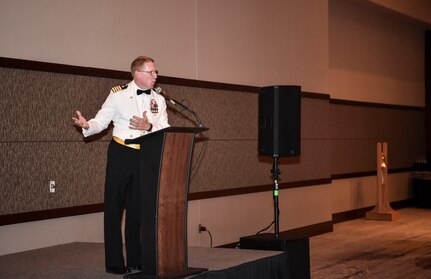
165,171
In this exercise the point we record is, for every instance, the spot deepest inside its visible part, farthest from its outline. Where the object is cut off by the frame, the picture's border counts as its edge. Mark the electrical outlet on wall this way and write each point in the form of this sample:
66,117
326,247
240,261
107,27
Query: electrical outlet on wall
52,186
202,228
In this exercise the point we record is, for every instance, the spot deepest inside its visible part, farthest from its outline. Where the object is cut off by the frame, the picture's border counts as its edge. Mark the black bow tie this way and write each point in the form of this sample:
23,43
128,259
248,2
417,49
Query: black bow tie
147,91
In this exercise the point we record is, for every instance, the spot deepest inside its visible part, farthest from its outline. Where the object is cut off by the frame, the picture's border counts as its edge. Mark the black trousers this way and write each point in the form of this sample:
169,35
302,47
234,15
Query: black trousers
122,191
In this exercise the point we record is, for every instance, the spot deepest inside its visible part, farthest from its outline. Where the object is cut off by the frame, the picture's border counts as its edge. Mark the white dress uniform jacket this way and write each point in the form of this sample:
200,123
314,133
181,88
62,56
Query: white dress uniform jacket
121,105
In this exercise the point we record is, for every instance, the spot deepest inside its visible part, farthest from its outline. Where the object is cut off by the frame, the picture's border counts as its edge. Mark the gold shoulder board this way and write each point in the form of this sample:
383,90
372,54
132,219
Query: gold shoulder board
118,88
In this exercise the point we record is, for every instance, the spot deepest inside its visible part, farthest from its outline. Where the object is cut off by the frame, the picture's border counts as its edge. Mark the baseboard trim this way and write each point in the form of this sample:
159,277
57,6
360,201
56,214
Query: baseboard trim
33,216
360,212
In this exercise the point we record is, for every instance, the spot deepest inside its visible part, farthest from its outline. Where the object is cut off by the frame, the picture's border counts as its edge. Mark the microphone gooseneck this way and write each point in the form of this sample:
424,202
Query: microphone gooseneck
160,91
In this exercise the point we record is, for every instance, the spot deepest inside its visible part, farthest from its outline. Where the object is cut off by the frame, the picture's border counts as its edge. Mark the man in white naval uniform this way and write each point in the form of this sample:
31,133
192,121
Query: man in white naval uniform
135,110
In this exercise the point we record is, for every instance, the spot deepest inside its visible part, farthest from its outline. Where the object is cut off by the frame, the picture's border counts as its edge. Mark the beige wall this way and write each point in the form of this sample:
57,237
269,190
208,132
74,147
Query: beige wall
374,57
338,47
105,34
242,42
28,236
263,42
348,194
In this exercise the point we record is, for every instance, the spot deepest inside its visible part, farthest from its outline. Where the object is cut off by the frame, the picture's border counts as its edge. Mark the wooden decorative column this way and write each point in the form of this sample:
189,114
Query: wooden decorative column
382,211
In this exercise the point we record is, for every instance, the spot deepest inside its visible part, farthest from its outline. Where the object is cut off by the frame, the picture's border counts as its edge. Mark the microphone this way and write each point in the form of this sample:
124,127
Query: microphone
160,91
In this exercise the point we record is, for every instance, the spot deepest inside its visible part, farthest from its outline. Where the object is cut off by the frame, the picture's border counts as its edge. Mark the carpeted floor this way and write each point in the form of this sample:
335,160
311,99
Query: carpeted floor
375,249
356,249
86,261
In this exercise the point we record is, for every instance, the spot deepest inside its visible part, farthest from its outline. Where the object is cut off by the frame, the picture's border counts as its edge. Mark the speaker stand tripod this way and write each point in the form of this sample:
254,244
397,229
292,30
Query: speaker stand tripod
275,173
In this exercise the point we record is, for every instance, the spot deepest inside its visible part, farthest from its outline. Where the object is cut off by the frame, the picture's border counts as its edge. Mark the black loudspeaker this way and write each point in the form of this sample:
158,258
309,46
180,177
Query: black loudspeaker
280,121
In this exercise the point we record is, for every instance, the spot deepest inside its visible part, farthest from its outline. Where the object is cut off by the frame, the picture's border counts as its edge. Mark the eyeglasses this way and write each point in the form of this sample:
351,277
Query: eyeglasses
155,72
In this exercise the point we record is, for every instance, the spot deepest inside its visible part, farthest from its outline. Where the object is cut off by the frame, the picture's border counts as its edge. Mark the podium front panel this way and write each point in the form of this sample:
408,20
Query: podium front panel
172,209
165,167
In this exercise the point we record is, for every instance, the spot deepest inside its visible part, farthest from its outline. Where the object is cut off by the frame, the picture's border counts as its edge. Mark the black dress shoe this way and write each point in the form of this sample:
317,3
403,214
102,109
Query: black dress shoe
135,267
121,269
